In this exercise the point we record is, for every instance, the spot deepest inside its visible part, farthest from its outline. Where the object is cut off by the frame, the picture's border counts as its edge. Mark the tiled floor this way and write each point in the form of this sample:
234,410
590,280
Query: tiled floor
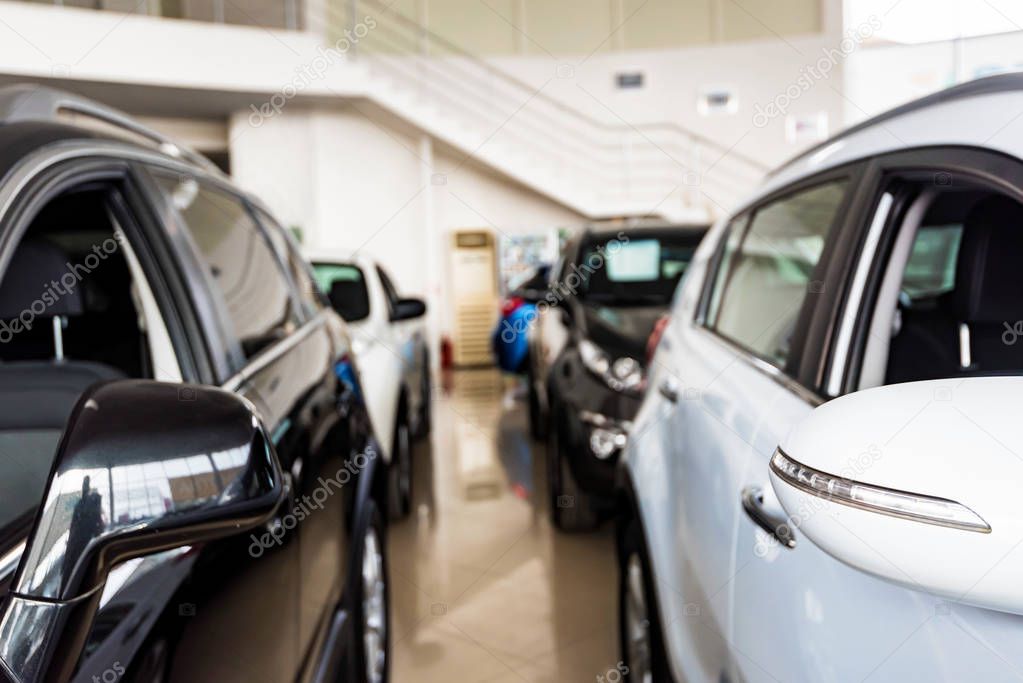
483,589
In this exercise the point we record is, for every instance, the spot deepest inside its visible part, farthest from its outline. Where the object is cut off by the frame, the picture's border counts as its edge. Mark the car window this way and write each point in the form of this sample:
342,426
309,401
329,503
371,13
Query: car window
306,288
765,270
931,268
241,263
635,269
345,287
733,237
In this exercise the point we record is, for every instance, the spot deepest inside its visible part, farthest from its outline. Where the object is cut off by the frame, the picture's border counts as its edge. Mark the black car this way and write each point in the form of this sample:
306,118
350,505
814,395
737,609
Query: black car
191,489
588,355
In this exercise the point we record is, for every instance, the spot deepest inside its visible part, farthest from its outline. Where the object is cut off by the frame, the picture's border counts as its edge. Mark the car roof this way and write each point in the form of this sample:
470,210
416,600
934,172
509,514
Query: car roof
35,116
339,256
601,232
982,113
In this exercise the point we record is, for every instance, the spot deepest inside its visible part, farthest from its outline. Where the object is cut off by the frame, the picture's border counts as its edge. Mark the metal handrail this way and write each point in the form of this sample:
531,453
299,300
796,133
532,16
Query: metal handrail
580,116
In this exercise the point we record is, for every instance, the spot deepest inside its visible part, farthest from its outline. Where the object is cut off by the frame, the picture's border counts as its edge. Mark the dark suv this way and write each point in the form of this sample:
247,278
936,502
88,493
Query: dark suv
588,358
191,489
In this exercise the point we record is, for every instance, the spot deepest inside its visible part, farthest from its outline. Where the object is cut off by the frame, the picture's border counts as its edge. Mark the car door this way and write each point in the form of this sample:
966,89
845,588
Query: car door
737,329
283,361
800,614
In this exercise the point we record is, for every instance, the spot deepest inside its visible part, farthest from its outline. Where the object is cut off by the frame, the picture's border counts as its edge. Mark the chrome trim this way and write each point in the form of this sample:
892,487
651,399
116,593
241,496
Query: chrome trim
779,529
852,305
965,356
764,367
272,353
842,500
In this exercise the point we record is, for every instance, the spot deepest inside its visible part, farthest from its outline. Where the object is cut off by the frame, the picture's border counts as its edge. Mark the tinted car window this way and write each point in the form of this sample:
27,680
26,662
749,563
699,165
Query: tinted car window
345,286
307,290
635,269
931,269
241,262
765,273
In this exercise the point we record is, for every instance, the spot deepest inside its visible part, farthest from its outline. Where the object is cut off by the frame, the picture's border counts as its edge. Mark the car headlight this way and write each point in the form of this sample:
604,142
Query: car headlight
621,374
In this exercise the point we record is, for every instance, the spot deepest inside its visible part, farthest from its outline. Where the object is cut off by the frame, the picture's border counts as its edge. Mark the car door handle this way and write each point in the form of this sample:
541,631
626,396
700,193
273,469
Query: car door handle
668,388
774,525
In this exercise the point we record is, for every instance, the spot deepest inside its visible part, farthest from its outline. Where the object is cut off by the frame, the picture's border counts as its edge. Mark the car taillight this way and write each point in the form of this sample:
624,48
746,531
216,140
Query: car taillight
511,305
655,337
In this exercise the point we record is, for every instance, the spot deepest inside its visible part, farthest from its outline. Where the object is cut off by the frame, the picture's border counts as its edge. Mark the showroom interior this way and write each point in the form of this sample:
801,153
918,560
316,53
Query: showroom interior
511,222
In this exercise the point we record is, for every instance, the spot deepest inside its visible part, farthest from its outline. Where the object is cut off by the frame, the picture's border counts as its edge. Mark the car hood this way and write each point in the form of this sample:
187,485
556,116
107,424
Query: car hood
624,329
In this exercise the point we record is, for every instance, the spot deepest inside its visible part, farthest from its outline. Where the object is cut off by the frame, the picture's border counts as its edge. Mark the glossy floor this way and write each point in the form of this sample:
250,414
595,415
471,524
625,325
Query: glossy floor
483,589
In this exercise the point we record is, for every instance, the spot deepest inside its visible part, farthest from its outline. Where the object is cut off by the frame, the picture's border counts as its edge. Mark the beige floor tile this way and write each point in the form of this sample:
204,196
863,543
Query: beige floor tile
483,589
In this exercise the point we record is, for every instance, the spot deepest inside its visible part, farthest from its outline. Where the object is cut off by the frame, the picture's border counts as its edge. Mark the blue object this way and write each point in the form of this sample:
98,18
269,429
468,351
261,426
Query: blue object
511,338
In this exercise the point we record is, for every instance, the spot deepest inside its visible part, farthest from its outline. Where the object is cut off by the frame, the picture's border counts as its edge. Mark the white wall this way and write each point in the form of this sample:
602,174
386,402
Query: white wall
881,77
758,73
48,41
352,178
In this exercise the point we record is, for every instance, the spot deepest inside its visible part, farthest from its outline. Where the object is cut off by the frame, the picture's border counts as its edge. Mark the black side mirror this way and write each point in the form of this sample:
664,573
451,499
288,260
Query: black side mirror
409,309
350,299
232,483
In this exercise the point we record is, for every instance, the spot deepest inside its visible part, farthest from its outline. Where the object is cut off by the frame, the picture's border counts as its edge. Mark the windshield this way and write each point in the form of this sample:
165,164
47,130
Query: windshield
637,270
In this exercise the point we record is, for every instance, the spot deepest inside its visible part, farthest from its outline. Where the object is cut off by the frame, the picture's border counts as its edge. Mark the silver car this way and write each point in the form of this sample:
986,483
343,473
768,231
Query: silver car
822,481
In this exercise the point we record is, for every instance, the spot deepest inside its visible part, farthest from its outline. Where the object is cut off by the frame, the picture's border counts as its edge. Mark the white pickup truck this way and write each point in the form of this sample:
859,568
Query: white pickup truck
389,342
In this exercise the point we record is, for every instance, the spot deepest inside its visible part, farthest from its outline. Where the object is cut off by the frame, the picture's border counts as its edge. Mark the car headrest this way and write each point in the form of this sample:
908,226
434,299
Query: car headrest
40,280
350,299
989,278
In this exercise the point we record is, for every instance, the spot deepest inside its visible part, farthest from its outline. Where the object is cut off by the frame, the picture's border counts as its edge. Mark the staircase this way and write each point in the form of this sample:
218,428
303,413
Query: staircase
599,169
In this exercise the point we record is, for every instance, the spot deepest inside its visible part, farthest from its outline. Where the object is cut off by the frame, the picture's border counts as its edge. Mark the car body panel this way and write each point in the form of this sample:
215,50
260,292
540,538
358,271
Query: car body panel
735,604
617,328
229,609
393,353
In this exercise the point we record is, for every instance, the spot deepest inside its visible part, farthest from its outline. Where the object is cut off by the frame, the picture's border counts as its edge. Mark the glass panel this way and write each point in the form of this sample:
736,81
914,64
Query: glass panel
241,263
931,269
637,269
296,266
763,284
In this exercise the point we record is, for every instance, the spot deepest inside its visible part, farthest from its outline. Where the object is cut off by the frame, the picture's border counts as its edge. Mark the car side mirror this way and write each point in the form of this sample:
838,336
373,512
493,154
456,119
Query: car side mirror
915,483
409,309
206,458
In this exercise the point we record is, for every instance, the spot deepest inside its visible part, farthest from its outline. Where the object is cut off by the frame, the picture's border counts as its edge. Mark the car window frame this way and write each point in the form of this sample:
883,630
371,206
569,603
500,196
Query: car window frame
811,334
354,265
997,170
236,362
45,179
52,172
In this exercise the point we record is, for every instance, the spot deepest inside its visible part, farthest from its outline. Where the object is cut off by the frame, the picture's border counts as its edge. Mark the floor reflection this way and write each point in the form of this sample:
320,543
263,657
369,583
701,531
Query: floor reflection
483,589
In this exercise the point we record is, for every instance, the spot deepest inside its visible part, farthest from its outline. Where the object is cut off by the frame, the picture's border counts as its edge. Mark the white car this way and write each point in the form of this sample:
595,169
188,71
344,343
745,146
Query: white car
391,351
823,481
